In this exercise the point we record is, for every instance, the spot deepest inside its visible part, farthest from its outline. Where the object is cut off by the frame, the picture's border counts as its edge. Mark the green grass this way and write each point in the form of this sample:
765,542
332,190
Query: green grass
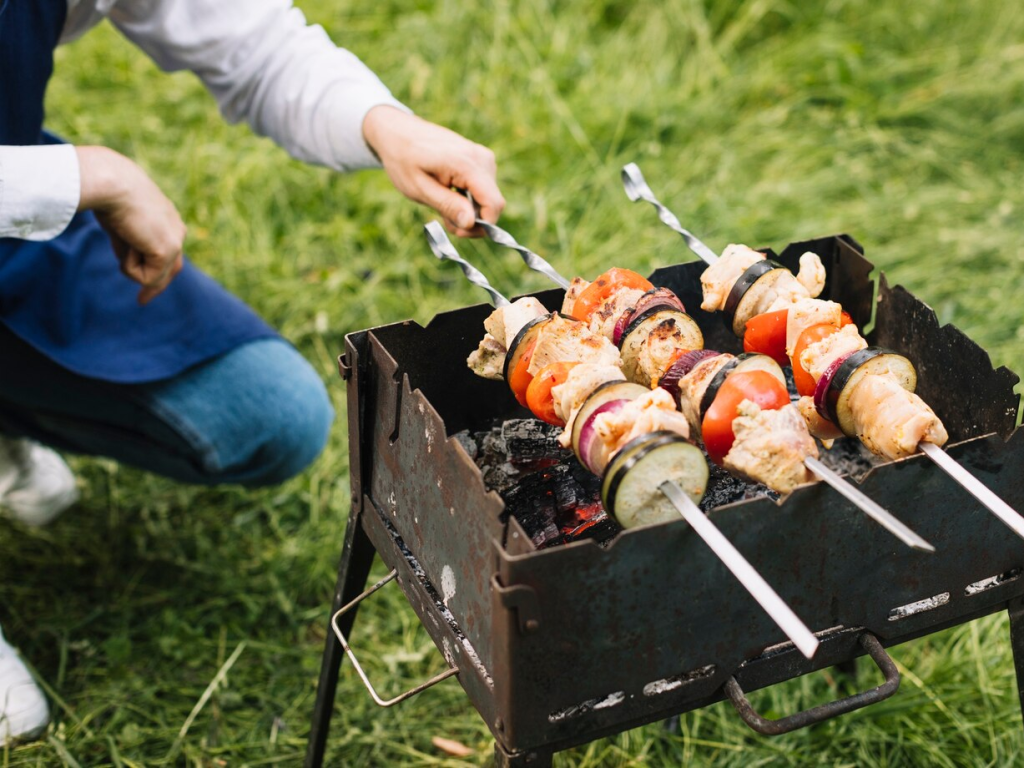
761,122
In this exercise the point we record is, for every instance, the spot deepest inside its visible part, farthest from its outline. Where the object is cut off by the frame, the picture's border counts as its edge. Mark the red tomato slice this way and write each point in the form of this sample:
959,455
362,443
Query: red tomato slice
766,333
759,387
815,333
605,285
519,379
845,319
538,395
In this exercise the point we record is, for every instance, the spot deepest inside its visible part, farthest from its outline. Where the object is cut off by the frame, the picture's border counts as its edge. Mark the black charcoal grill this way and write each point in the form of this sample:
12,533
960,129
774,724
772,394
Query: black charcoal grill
561,645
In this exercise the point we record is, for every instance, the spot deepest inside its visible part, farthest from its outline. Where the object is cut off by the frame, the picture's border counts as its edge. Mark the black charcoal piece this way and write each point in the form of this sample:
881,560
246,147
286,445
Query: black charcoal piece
532,443
723,488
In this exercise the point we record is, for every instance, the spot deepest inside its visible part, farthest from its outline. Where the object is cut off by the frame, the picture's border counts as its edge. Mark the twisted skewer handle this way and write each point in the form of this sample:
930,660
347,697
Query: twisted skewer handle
501,237
442,247
637,189
532,260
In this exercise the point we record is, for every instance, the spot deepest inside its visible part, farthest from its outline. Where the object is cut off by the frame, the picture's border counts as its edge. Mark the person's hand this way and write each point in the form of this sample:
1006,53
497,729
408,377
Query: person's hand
424,161
144,226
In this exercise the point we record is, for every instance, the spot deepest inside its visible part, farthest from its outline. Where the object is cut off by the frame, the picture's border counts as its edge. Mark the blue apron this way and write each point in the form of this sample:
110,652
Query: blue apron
67,297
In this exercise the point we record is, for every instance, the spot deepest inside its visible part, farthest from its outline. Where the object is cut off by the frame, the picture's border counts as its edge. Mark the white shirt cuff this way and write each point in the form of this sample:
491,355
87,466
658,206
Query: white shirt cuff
40,188
346,113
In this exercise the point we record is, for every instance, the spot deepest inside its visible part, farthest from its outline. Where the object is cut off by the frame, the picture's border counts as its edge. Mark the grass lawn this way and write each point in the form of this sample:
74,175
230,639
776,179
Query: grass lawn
759,121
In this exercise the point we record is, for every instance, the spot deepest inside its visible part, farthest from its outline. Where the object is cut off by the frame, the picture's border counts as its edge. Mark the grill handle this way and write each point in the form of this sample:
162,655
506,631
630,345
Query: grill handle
355,662
822,712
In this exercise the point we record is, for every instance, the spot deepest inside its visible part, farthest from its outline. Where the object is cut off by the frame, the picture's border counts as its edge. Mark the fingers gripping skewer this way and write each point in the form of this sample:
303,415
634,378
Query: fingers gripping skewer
532,260
752,581
445,251
637,189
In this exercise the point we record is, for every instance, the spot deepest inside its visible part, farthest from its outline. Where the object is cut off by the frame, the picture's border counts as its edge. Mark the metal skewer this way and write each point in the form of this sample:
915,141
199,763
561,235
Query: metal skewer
442,247
501,237
752,581
731,558
975,487
637,189
870,508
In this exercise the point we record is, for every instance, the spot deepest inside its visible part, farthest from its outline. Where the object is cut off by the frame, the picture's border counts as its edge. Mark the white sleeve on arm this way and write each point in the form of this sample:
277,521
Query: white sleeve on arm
265,65
39,190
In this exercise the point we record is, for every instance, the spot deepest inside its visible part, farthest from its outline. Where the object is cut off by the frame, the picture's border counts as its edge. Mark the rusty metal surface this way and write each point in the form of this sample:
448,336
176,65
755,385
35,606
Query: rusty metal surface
427,603
822,712
946,360
582,641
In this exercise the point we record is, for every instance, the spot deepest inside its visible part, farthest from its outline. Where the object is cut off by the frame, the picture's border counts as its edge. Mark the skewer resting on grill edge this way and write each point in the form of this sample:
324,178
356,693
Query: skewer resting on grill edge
637,189
731,558
870,508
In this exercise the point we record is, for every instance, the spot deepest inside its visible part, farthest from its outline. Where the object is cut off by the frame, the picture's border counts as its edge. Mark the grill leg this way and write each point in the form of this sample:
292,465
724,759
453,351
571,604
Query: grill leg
1016,611
532,759
356,559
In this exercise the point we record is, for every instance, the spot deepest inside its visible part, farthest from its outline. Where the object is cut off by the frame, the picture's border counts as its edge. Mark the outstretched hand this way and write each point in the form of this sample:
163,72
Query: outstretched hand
145,229
424,161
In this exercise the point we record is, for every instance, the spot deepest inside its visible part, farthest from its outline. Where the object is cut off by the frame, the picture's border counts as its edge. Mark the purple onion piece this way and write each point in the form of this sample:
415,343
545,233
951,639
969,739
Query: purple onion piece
658,297
821,388
682,366
620,325
588,435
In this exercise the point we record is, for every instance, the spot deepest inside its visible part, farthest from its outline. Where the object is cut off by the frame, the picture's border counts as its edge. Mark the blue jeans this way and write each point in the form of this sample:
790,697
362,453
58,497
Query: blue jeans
255,416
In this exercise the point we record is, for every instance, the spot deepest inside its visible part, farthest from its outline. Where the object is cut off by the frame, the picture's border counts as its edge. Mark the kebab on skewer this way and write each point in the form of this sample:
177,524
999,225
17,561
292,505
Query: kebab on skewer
773,444
655,475
748,424
861,391
846,387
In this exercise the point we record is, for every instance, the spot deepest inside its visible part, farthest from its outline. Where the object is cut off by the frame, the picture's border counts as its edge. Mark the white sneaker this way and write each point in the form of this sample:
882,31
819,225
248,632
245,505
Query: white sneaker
23,710
35,483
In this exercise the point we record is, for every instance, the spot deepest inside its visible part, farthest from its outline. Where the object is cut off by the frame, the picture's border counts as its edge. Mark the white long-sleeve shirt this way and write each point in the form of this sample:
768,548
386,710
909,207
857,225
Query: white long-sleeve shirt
259,59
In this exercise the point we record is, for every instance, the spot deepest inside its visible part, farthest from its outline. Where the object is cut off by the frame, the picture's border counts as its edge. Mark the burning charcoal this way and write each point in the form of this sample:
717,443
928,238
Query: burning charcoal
597,524
532,502
554,507
530,443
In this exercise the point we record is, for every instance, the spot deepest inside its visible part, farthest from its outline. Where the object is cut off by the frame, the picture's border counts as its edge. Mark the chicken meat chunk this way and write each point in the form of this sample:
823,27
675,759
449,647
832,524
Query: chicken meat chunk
771,446
804,313
505,322
570,395
817,357
488,359
604,318
890,420
562,340
576,286
717,280
652,412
